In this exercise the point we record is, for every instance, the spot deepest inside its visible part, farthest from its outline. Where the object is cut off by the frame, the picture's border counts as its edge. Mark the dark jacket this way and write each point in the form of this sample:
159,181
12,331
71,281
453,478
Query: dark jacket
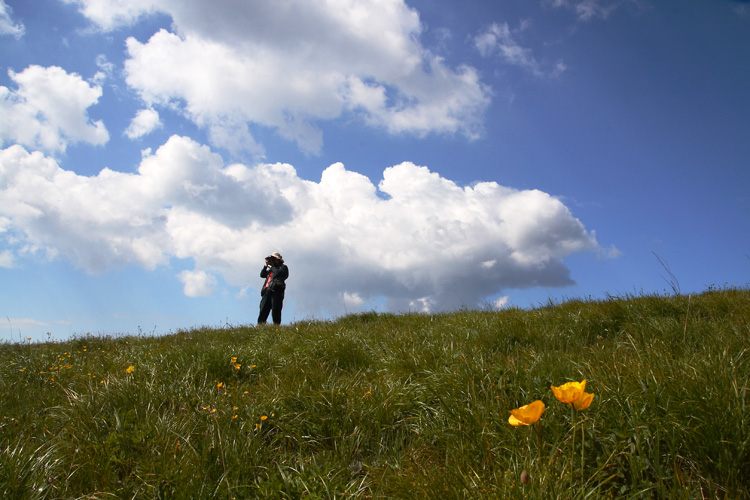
275,278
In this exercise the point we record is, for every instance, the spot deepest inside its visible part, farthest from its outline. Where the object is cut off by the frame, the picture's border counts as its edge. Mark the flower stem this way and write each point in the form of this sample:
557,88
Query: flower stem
572,447
583,449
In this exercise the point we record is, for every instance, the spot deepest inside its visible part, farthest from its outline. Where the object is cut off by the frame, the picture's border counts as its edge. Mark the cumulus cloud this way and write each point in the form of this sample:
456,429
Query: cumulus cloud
198,283
49,110
7,26
414,241
144,122
288,65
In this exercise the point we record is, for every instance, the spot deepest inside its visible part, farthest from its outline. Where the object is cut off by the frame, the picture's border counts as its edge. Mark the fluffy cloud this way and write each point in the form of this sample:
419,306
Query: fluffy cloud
288,65
48,110
198,283
417,241
145,121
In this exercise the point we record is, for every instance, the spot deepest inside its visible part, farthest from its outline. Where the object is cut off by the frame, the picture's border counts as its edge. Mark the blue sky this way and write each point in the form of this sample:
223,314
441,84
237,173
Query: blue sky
426,155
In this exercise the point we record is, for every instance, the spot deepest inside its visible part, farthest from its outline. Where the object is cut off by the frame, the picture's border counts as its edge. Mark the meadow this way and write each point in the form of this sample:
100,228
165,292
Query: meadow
405,406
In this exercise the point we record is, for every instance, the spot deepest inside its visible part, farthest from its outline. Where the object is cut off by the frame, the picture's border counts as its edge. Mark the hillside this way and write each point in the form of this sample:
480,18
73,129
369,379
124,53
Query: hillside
392,406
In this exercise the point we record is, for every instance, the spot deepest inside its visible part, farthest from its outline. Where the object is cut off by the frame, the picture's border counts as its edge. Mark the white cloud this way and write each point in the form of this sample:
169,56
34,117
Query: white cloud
417,240
290,64
111,14
106,70
590,9
7,260
198,283
23,324
498,40
352,300
501,302
7,26
48,111
144,122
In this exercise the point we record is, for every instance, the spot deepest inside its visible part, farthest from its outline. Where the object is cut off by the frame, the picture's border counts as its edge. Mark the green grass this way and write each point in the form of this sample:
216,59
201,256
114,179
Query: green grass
392,406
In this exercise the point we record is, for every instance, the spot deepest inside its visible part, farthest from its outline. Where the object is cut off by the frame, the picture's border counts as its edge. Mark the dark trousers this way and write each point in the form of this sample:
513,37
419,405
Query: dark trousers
271,302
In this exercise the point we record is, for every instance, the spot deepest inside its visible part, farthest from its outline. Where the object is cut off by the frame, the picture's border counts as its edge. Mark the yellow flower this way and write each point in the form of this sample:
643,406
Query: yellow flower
220,385
234,416
130,369
583,402
264,417
567,393
237,366
234,359
527,414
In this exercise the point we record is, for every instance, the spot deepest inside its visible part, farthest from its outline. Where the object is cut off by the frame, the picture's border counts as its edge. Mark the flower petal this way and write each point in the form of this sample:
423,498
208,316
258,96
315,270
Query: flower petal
515,422
584,401
527,414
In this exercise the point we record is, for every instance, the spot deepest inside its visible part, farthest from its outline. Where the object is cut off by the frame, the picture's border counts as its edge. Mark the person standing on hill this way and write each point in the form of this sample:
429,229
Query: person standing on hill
275,273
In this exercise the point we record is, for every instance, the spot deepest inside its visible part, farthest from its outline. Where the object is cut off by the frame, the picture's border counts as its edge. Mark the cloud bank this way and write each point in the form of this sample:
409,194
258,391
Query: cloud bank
288,65
414,241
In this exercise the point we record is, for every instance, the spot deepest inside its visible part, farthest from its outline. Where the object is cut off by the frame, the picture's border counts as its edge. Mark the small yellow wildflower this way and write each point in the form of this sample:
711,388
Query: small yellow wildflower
220,385
527,414
264,417
237,366
234,416
130,369
234,359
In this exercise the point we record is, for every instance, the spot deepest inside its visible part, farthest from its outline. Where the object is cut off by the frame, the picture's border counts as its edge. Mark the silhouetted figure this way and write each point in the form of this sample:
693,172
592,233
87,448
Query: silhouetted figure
275,273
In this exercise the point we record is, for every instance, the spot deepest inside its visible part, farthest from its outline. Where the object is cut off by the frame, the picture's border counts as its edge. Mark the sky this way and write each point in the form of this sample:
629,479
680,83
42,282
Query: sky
402,155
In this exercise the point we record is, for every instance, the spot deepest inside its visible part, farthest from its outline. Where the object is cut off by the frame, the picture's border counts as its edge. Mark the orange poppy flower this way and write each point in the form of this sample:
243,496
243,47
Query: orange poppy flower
567,393
527,414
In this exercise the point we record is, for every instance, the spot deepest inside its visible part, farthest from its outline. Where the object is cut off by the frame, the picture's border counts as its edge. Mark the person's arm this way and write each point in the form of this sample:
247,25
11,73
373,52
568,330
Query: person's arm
264,272
283,273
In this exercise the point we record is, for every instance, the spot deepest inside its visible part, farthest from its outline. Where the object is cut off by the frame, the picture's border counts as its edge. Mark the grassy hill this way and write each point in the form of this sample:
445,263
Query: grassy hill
392,406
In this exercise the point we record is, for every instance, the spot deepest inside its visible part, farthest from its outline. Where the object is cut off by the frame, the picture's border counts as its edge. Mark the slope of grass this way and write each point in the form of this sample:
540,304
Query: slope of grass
392,406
